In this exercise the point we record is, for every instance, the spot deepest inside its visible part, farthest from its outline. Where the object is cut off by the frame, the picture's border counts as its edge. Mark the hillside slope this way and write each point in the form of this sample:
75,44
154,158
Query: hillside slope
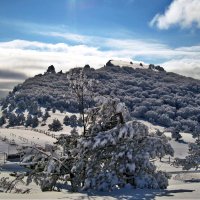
159,97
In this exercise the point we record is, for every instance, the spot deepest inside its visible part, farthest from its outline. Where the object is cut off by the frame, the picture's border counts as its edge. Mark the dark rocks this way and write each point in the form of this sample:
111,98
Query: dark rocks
51,69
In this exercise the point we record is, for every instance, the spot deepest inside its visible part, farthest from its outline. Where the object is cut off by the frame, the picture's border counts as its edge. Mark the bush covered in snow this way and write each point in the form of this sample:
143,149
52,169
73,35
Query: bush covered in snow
114,152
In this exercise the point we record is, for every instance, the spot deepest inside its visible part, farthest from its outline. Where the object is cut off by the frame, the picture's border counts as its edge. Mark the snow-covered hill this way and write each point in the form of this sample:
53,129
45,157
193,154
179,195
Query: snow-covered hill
150,94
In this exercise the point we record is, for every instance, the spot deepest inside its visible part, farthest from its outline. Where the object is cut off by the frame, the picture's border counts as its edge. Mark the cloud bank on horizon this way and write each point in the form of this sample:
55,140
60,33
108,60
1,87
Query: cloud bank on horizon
74,33
31,57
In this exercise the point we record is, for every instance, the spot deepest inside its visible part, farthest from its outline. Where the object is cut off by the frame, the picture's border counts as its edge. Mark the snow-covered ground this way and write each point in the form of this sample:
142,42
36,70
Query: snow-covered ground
182,185
26,137
60,116
134,65
7,148
57,115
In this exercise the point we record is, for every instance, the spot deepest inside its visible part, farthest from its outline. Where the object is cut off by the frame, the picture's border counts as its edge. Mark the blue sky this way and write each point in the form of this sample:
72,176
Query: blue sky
70,33
107,18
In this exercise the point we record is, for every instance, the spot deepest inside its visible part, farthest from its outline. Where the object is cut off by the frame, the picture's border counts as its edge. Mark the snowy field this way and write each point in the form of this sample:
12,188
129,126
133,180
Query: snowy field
182,185
60,116
26,137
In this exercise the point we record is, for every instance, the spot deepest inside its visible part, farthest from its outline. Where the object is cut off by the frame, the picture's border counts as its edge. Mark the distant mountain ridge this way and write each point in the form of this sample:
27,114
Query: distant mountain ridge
151,94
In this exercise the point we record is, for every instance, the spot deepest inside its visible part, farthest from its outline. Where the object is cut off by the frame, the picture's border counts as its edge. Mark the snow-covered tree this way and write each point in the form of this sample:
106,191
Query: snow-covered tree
113,152
196,133
44,163
117,151
193,159
176,133
164,120
82,87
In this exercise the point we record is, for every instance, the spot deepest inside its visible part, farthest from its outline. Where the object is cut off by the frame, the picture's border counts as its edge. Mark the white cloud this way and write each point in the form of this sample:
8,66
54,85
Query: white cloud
185,67
33,57
66,36
184,13
128,48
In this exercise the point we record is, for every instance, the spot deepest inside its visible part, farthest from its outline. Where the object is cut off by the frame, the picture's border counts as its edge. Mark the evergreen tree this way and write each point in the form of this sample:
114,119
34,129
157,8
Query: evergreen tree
196,133
55,126
33,109
74,132
13,121
46,116
21,106
12,106
2,120
48,108
176,133
193,159
35,122
39,113
5,113
21,119
113,152
164,120
61,109
117,151
66,120
54,110
80,122
73,121
28,120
